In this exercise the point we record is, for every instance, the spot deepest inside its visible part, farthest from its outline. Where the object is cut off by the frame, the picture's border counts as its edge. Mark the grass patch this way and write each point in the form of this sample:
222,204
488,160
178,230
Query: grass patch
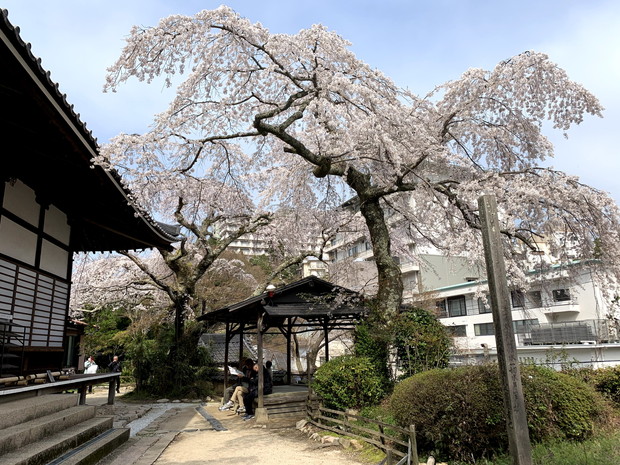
600,450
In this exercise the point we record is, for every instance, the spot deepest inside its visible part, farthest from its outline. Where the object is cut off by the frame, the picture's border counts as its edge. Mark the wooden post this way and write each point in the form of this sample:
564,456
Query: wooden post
226,342
288,350
241,346
112,390
516,418
82,390
413,446
259,337
261,413
326,334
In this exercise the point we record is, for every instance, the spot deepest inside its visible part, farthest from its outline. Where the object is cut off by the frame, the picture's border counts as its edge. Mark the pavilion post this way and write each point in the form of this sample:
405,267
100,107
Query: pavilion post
227,340
326,334
261,413
288,351
241,327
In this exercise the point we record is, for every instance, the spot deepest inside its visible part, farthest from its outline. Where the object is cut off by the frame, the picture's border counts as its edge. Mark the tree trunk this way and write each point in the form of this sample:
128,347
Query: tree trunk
390,283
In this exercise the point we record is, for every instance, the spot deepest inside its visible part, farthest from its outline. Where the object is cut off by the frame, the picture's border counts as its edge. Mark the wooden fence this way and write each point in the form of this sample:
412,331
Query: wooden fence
393,440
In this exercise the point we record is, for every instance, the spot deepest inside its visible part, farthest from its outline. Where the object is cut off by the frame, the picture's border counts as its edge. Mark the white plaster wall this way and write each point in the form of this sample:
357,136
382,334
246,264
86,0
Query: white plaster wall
20,200
54,259
17,242
56,225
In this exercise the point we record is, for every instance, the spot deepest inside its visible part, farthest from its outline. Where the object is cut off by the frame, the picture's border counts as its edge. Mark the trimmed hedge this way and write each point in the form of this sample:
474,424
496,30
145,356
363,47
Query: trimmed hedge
459,413
349,382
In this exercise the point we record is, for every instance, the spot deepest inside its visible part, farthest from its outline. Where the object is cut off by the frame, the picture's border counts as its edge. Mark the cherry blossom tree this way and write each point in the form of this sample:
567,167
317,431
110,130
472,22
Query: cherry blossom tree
304,122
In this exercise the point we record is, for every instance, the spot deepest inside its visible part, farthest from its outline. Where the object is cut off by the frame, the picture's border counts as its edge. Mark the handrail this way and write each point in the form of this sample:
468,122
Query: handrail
80,382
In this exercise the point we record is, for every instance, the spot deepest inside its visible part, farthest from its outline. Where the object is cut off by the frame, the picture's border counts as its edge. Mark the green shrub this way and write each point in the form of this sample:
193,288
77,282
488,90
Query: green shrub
348,382
604,380
459,413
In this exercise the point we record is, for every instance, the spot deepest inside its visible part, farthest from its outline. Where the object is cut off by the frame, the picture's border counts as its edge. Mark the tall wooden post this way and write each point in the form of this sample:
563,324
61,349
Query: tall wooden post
326,336
516,418
261,413
226,342
259,340
241,347
289,330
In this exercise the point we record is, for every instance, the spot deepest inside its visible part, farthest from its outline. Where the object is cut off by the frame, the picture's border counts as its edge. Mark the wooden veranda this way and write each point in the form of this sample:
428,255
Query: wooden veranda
309,304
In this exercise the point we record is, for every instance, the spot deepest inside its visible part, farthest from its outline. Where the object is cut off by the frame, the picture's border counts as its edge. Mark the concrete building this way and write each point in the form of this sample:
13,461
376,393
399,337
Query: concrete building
558,322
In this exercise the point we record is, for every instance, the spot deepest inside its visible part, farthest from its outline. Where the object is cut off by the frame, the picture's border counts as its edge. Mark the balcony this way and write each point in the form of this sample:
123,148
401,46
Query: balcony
576,332
562,307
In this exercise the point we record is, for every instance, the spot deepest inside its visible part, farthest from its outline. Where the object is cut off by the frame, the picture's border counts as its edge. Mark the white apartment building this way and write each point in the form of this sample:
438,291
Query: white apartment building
312,266
558,322
351,265
249,244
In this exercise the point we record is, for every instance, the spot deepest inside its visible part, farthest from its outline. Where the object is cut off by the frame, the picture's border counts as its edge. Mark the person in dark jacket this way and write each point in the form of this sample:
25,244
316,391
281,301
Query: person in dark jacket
115,367
233,395
248,399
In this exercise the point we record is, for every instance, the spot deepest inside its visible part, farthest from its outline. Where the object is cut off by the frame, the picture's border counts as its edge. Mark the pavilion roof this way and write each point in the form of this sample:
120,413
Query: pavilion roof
310,300
48,148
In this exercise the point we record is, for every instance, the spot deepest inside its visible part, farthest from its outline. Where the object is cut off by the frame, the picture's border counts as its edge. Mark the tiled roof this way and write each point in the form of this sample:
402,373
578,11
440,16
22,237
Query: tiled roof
216,343
33,86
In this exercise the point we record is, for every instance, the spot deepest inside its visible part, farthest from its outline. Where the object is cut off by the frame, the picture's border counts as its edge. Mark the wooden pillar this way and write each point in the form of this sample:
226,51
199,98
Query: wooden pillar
259,341
82,390
288,350
241,328
261,413
226,342
516,418
112,390
325,335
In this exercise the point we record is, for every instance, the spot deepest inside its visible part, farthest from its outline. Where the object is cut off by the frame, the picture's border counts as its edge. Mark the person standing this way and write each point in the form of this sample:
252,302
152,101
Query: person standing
90,368
115,367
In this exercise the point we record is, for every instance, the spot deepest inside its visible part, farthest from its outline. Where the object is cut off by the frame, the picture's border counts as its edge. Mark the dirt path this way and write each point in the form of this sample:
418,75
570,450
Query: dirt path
243,443
189,435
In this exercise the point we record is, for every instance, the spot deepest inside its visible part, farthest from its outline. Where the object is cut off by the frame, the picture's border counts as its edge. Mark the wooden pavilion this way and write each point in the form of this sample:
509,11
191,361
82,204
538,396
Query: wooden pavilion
309,304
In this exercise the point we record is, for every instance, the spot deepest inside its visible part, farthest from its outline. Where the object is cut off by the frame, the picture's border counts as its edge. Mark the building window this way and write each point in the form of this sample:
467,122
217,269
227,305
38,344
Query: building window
456,306
484,329
441,309
524,326
517,299
483,307
561,295
457,331
534,299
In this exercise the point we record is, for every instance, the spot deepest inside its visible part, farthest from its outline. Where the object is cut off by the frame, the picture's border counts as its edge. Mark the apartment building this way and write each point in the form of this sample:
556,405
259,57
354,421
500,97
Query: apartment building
559,321
251,244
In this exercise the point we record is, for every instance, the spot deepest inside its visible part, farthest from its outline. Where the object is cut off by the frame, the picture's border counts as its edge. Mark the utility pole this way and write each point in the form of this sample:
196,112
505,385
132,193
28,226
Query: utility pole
516,417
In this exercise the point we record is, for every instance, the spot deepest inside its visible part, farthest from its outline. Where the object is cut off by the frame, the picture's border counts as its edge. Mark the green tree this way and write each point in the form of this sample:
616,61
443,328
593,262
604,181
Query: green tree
421,341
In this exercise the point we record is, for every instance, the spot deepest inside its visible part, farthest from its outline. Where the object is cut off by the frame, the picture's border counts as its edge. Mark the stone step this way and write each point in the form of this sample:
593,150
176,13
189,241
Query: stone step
48,449
96,449
31,431
19,411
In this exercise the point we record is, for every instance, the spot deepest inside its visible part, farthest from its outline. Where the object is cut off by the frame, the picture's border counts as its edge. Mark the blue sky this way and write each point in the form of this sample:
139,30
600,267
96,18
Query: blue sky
419,44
